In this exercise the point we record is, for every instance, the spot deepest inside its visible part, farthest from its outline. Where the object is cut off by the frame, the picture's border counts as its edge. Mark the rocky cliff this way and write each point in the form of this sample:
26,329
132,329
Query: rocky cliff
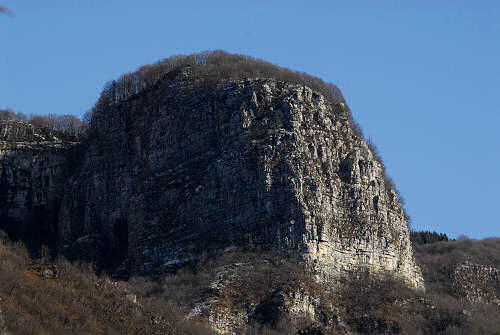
187,168
477,283
32,163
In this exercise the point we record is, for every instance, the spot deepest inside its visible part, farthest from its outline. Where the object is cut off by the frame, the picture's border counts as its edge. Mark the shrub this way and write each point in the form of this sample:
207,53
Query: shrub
259,276
41,297
452,314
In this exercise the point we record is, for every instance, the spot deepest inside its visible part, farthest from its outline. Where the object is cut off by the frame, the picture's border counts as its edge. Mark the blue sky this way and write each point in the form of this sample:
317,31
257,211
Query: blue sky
421,77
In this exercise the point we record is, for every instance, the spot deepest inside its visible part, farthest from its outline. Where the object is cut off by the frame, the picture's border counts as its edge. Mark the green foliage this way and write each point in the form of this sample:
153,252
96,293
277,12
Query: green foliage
426,237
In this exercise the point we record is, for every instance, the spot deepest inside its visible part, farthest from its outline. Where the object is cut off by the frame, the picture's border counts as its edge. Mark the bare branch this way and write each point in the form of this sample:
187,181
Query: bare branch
5,10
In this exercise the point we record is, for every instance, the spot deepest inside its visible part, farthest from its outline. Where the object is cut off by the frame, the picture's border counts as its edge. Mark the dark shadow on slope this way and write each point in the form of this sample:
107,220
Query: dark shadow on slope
37,230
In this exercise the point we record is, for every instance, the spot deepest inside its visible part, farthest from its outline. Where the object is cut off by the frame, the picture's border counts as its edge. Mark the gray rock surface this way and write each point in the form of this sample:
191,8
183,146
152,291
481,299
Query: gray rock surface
245,295
477,283
188,168
32,162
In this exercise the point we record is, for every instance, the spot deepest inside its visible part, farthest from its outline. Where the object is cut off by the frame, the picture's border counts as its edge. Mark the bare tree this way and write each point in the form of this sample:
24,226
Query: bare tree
5,10
9,114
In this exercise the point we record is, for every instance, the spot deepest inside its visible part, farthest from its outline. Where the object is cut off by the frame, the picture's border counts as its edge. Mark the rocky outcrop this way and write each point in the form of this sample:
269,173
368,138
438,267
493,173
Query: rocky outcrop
255,294
477,283
187,168
32,162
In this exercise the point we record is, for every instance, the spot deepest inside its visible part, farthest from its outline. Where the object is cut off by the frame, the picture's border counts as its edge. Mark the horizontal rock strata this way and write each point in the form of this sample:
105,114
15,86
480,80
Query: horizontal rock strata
32,163
187,168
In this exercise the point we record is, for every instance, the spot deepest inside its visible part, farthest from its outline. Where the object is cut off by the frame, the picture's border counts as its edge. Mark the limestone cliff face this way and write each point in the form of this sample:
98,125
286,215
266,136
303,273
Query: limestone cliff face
32,161
184,169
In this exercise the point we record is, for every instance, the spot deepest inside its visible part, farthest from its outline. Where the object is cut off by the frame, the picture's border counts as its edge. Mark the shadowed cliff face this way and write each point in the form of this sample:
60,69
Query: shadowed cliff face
184,169
32,161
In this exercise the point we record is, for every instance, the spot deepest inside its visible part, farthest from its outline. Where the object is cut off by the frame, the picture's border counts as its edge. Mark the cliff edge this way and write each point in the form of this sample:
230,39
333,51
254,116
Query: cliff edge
32,165
187,168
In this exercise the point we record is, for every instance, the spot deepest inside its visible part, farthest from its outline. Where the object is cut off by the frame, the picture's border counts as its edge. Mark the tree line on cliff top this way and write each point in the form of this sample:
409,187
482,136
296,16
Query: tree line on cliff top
212,66
66,123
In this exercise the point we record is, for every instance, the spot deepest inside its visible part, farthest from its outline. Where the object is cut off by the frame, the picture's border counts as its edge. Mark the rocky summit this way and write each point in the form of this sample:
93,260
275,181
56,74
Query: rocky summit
183,169
179,170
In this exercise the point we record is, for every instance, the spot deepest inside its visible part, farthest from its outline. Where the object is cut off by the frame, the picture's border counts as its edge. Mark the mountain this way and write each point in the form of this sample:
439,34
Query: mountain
242,193
179,170
200,161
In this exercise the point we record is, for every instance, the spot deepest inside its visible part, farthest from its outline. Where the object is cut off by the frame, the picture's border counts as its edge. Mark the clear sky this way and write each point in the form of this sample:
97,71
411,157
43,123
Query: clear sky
421,77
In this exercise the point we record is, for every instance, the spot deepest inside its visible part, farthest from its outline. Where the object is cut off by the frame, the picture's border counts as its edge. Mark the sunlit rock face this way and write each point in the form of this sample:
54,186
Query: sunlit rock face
188,168
478,283
32,164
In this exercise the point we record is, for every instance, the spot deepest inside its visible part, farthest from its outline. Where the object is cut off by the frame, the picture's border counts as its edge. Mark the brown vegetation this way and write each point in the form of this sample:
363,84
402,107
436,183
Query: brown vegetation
68,124
366,303
62,298
56,297
384,305
212,66
247,278
376,304
438,260
453,314
46,296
